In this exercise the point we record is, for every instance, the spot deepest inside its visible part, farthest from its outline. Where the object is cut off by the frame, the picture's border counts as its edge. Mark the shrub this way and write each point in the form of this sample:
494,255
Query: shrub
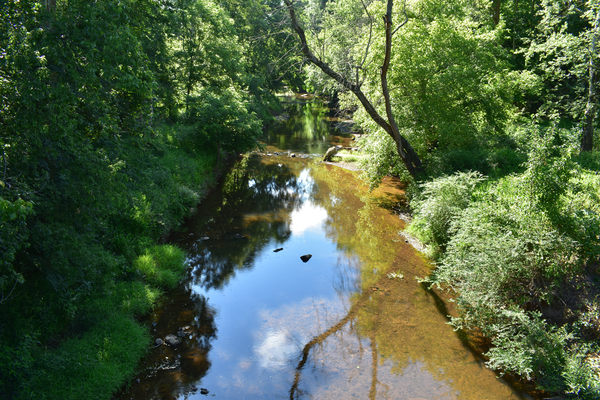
438,204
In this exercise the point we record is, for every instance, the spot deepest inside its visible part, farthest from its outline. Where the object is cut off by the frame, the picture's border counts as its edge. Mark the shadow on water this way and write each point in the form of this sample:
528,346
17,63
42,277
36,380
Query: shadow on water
257,322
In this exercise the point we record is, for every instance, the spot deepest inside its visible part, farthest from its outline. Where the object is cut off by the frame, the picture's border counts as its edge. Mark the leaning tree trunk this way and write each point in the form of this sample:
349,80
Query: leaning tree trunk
587,138
405,150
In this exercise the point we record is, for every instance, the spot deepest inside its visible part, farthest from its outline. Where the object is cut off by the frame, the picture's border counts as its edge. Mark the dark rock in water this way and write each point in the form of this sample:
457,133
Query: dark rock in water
332,151
306,257
172,340
203,391
293,155
158,342
277,250
238,236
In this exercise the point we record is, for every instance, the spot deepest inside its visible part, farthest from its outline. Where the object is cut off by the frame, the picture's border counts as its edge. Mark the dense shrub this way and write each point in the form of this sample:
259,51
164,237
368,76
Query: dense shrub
438,204
516,249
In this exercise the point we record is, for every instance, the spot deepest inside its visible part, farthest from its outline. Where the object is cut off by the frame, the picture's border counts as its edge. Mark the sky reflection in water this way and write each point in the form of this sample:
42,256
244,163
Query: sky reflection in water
335,327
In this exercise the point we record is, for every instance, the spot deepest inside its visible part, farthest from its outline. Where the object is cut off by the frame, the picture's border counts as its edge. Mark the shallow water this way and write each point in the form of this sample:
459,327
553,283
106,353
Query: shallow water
257,323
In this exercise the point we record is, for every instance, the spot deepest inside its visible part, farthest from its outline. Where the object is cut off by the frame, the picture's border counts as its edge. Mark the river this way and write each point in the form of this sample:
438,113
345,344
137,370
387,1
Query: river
257,322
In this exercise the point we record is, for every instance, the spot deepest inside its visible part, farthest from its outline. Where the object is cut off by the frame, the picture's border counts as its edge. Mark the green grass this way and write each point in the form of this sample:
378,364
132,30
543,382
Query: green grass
162,266
92,366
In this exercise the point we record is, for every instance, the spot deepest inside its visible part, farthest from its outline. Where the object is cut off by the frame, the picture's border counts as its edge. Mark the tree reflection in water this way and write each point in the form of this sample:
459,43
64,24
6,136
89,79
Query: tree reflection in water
361,334
258,200
413,353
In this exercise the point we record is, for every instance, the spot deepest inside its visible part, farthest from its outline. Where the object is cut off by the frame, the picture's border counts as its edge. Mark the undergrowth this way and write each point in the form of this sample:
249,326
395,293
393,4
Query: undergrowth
93,266
521,253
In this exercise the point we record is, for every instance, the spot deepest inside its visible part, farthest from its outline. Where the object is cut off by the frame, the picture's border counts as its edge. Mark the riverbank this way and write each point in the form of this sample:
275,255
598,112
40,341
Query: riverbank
522,268
72,330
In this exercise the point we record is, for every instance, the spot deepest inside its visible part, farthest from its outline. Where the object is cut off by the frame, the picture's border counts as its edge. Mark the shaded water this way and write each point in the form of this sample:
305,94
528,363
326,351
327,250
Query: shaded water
257,323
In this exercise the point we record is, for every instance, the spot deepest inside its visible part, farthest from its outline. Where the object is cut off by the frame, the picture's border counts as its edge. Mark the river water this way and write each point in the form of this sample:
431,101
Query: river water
257,322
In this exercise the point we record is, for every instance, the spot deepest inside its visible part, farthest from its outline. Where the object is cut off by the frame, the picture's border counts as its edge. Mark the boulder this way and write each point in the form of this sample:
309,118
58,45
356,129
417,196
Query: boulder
172,340
331,152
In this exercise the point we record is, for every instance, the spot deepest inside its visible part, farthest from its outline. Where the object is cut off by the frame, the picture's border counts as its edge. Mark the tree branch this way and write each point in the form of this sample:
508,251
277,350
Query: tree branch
405,19
409,156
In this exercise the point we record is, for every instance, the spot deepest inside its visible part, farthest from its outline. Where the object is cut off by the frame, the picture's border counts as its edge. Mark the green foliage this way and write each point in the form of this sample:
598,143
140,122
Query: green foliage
222,119
91,366
453,92
438,204
523,243
135,298
13,237
559,52
89,98
162,266
381,159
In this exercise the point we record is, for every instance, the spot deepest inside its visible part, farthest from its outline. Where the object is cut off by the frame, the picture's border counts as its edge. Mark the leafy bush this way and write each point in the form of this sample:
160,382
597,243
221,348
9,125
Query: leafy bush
438,204
524,241
381,159
527,345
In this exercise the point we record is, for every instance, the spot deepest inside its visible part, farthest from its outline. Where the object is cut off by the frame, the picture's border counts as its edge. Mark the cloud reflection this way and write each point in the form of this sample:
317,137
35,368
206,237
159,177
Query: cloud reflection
309,216
276,350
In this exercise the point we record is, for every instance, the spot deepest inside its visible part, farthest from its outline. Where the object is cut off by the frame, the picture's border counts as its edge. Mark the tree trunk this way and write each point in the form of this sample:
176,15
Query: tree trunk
587,137
405,150
219,155
496,11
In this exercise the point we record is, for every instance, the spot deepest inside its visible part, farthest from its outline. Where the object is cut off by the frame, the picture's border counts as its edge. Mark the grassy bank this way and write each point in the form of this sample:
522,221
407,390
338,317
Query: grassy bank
92,265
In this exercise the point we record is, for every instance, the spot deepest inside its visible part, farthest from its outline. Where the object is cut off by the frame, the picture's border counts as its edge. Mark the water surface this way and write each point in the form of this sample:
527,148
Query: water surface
256,322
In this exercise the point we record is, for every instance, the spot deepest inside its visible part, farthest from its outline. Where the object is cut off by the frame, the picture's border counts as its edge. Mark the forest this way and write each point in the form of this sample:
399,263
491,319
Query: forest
116,117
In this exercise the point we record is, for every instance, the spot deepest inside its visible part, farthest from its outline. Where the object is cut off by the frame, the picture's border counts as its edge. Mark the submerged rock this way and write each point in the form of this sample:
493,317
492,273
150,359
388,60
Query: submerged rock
277,250
203,391
158,342
306,257
172,340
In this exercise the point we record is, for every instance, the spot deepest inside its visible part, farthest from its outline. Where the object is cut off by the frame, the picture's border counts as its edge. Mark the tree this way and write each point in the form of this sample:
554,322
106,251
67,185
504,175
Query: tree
565,53
408,155
222,119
